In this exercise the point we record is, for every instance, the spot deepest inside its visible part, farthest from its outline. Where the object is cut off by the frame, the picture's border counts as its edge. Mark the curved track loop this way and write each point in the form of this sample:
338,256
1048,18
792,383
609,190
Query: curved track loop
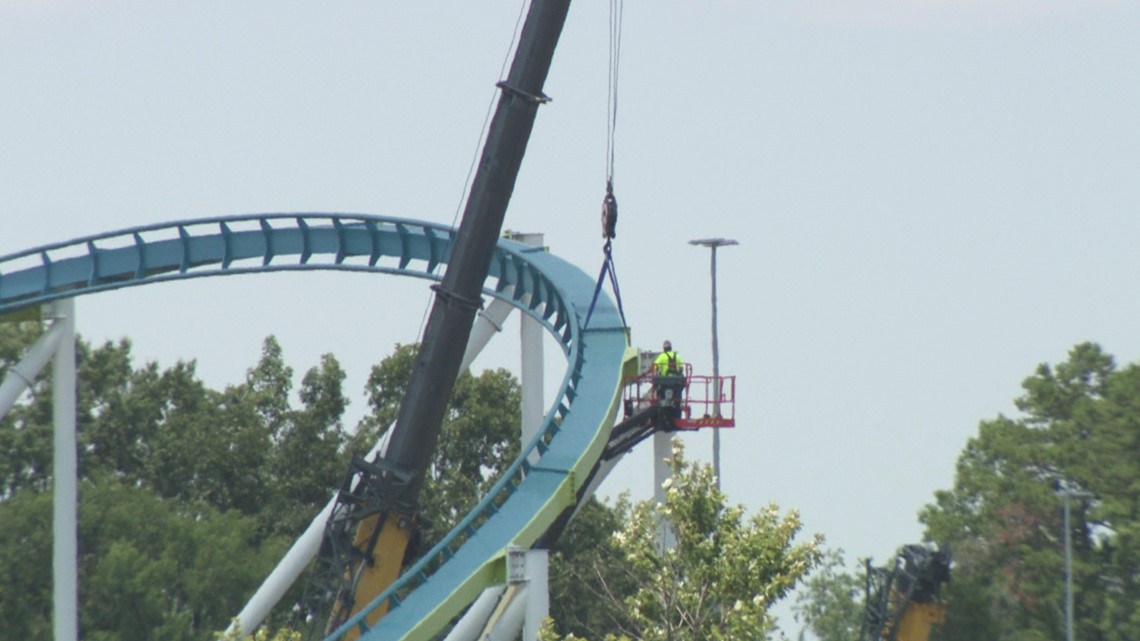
529,497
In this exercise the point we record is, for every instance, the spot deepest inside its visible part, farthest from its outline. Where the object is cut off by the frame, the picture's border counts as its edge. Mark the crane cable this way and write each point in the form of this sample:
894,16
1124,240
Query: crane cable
616,15
609,202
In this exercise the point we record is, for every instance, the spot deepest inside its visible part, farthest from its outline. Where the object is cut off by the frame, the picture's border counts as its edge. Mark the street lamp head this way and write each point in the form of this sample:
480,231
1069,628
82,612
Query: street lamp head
713,242
1071,492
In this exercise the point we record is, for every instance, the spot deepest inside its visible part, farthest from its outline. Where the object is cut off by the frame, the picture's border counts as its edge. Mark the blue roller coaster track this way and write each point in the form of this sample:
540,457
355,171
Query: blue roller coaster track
527,500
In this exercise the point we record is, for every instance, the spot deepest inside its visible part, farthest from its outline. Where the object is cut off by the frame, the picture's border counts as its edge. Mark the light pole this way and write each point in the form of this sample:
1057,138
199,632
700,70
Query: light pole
713,244
1066,494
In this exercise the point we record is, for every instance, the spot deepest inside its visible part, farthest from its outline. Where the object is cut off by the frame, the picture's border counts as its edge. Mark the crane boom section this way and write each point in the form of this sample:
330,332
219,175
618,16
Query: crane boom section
458,296
457,299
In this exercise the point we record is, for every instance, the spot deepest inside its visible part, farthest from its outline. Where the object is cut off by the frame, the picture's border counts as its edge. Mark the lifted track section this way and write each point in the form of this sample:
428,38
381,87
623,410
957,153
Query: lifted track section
528,500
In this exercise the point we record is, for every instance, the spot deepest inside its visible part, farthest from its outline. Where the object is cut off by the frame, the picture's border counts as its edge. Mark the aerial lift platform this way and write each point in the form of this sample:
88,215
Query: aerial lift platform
704,402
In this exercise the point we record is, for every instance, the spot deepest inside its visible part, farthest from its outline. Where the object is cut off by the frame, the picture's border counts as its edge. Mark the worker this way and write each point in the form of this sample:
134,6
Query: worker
669,374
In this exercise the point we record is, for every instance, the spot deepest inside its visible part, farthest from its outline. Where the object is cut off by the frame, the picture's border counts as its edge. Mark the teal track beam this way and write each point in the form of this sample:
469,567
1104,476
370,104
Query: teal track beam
527,500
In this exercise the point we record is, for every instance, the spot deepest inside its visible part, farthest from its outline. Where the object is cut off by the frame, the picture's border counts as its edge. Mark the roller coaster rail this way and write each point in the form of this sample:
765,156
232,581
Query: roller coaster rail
527,500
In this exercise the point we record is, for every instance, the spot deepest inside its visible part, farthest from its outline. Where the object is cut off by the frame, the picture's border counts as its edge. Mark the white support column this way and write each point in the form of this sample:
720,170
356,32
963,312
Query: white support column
487,323
537,593
531,377
662,472
532,412
65,470
532,368
473,621
507,621
20,377
523,606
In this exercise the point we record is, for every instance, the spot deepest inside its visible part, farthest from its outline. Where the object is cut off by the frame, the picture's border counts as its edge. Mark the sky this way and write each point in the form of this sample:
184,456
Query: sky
931,198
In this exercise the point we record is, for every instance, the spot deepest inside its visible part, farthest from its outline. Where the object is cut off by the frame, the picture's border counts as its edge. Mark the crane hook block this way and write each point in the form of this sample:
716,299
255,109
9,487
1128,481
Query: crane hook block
609,213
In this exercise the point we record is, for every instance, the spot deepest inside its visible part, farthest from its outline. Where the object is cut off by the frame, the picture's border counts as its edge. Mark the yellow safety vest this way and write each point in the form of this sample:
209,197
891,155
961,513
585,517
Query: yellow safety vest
669,364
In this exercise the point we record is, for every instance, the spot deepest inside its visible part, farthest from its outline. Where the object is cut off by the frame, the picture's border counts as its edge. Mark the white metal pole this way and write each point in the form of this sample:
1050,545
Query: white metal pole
487,323
20,377
537,593
531,377
1068,571
716,375
713,244
65,471
1068,493
509,620
471,625
531,411
662,472
532,367
290,567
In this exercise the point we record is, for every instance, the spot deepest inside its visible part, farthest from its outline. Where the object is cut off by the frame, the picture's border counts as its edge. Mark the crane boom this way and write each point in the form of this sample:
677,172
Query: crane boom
458,296
904,600
382,536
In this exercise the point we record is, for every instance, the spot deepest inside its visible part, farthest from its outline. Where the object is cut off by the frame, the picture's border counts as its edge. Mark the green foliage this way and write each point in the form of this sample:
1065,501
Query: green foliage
25,444
588,582
724,572
386,386
149,569
831,602
1080,429
25,562
262,634
307,457
548,632
188,495
969,614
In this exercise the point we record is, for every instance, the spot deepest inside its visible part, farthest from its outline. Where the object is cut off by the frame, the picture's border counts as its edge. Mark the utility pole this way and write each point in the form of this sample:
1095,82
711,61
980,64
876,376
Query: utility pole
713,244
1066,494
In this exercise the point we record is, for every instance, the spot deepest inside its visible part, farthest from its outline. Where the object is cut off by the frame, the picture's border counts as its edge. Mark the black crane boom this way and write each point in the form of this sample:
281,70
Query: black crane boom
382,505
457,297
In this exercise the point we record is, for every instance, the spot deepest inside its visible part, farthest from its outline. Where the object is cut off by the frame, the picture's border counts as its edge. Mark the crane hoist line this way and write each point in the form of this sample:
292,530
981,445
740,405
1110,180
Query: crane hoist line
609,201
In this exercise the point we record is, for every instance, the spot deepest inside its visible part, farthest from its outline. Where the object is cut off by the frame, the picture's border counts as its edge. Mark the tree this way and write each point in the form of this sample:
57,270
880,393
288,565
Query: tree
154,569
831,602
25,443
587,592
188,495
1079,430
722,575
25,559
308,458
149,568
386,386
262,634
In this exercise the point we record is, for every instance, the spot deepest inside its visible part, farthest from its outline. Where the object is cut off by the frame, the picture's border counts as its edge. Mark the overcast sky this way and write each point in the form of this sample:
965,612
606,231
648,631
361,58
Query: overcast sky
931,197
